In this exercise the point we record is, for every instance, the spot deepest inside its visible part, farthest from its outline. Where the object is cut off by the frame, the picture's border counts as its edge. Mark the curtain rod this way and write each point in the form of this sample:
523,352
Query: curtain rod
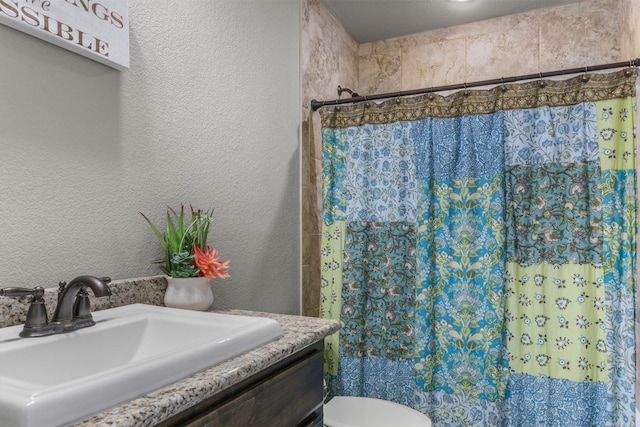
633,63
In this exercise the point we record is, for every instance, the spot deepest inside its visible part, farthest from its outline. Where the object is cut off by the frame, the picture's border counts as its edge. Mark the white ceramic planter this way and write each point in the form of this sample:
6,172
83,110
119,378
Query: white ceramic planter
190,293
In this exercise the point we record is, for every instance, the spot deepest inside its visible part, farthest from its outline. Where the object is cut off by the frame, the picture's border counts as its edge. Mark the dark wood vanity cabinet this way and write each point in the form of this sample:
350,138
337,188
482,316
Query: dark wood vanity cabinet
288,393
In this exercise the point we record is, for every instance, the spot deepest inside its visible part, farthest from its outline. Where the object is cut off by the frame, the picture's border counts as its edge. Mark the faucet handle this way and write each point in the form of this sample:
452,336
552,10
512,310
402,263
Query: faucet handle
36,292
82,309
82,306
37,323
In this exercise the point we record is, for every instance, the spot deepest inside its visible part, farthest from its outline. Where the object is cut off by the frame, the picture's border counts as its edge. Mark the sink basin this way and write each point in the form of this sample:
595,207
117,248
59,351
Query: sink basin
132,350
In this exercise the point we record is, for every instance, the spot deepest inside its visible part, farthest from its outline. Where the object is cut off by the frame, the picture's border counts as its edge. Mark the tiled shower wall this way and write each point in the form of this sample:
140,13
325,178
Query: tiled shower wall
575,35
588,32
329,57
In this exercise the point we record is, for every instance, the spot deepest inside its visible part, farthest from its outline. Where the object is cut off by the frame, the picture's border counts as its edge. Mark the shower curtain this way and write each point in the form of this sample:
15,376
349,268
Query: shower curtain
479,251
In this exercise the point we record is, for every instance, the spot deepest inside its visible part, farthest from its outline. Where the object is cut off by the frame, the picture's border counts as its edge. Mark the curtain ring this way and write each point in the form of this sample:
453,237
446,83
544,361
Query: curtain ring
629,71
466,91
431,94
541,82
503,88
585,77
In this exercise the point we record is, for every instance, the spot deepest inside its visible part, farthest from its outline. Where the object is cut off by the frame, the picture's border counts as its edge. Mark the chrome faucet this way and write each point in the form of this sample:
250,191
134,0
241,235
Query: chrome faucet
73,310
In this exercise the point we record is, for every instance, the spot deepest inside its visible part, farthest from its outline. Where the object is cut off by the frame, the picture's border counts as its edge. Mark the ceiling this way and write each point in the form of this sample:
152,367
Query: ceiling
370,20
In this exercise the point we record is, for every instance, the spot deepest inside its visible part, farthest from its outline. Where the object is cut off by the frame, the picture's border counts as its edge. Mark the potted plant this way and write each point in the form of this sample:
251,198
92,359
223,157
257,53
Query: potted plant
188,261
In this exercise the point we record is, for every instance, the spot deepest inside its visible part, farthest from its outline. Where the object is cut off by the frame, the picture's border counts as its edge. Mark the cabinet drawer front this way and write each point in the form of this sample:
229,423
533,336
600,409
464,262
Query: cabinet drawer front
282,400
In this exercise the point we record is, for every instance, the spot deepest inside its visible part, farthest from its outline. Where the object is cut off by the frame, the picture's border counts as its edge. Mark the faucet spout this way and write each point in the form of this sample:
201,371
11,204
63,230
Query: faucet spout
65,309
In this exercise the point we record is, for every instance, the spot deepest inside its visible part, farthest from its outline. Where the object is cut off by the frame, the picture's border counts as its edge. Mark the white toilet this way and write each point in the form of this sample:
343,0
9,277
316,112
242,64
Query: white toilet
346,411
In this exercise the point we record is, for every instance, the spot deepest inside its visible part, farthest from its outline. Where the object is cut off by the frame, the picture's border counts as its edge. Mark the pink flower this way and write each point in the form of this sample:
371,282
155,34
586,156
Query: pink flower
209,263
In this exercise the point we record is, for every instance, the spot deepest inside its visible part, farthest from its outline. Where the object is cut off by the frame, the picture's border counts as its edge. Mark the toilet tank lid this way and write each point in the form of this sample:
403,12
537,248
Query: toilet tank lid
348,411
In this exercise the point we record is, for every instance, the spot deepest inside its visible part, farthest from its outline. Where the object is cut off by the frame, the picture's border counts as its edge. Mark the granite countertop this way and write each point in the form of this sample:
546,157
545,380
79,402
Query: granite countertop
148,410
163,403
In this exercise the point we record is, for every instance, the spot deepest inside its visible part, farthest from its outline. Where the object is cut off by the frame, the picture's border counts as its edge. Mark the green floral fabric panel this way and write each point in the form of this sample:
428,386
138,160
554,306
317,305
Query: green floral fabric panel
460,347
555,319
331,287
378,297
555,214
616,126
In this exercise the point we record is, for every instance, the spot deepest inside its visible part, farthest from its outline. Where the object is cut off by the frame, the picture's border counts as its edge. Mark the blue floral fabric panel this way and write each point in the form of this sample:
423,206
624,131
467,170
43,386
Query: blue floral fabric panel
459,302
555,214
378,297
334,143
380,184
565,134
619,225
619,211
546,402
452,148
457,410
374,377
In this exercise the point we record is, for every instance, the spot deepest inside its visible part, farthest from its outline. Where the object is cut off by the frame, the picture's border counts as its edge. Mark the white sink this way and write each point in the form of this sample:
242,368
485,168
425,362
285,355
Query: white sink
132,350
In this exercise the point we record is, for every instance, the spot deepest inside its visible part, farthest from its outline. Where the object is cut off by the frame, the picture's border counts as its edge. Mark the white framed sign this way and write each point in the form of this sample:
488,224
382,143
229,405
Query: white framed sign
97,29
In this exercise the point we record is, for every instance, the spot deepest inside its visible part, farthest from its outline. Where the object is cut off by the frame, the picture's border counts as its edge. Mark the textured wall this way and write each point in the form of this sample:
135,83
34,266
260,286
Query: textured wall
207,114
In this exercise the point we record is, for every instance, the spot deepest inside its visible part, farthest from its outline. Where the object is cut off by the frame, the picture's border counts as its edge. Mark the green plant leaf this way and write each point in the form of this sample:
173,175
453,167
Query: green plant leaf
179,239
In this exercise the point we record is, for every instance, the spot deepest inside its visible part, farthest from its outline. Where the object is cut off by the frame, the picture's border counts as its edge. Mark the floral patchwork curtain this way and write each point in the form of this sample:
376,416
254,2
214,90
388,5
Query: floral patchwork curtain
479,250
